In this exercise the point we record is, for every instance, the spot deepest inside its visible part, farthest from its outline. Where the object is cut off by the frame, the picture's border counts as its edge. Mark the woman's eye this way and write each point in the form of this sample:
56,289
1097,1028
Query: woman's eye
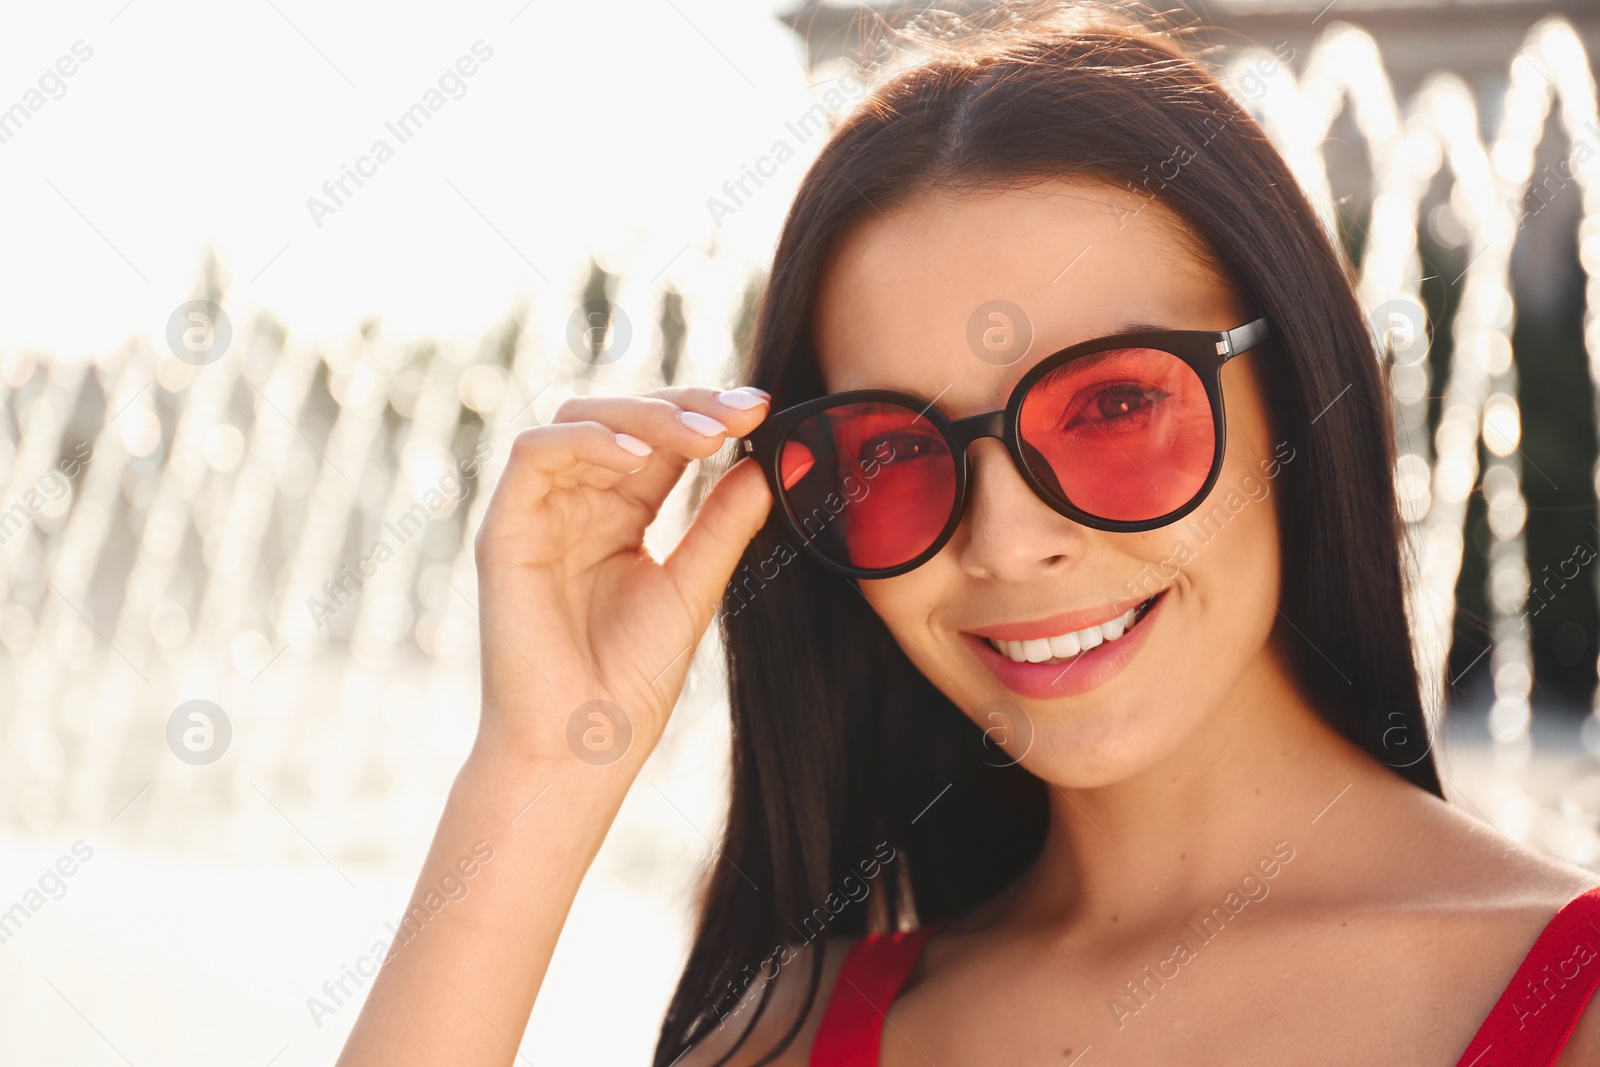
897,447
1109,403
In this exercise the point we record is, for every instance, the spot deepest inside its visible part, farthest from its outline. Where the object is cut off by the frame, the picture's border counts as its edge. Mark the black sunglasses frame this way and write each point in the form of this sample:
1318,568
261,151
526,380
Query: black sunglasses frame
1203,351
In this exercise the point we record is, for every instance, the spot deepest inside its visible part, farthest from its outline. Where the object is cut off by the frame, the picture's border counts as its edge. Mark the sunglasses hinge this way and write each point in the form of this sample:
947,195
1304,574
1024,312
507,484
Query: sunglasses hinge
1242,339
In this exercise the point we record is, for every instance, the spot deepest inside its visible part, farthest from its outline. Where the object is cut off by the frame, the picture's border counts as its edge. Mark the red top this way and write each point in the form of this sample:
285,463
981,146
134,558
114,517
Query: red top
1529,1026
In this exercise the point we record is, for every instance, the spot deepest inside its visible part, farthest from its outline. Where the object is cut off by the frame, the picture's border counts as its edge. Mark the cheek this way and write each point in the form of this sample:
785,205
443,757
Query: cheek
1231,584
1236,567
907,602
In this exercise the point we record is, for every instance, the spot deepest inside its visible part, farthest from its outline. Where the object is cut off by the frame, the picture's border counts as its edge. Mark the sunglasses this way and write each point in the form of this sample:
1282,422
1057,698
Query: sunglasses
1122,433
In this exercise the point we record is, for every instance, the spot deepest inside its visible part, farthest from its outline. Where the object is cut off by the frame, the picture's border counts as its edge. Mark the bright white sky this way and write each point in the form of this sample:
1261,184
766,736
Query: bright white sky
600,125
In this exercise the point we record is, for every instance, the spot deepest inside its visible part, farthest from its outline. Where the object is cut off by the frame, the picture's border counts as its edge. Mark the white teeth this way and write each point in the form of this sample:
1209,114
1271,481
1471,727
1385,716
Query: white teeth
1043,649
1036,651
1066,645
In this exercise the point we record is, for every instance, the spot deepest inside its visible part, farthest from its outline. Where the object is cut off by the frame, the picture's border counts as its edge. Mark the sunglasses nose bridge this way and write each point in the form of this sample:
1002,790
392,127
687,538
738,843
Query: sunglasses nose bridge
991,424
967,430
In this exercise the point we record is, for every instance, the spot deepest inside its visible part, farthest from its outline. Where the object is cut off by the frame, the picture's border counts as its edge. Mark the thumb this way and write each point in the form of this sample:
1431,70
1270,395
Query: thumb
705,558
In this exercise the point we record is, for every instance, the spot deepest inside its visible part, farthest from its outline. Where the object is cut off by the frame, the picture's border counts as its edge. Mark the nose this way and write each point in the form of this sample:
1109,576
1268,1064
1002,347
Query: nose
1007,533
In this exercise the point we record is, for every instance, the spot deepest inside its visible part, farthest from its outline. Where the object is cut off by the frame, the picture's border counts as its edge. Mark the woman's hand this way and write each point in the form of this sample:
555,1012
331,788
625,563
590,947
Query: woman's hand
573,607
574,610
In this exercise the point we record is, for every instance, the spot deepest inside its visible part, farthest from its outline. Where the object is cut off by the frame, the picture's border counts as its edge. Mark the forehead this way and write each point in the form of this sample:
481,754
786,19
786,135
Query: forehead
908,291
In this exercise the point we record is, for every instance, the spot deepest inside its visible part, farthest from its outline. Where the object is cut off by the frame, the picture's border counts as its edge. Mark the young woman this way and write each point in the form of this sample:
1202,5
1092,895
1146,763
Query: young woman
1074,712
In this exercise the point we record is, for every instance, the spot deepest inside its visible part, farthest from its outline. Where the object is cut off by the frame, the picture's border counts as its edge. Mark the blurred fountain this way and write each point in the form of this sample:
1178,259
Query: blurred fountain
286,532
1489,185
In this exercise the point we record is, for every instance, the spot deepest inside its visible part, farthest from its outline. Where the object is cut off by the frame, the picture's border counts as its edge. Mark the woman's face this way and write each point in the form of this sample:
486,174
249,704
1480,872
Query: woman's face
1082,259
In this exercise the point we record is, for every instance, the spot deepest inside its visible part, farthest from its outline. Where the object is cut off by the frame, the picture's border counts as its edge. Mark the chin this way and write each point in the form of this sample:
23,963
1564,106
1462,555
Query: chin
1151,718
1104,745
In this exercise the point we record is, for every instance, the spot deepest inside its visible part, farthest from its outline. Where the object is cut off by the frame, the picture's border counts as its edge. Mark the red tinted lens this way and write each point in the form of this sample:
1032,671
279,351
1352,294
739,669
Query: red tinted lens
1126,435
870,485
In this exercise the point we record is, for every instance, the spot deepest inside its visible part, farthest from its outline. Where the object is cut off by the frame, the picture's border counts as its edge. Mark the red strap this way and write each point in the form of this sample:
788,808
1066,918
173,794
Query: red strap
1540,1008
851,1031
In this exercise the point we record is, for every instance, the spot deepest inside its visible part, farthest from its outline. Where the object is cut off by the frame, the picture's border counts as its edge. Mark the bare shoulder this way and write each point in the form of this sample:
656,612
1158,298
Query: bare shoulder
1465,904
1524,890
786,994
1438,869
1474,861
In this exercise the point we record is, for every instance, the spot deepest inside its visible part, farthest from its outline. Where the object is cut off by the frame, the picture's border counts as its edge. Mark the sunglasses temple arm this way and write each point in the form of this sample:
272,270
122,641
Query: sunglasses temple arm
1242,338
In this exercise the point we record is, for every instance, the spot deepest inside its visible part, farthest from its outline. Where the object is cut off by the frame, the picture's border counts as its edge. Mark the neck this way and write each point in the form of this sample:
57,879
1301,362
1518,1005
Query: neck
1180,835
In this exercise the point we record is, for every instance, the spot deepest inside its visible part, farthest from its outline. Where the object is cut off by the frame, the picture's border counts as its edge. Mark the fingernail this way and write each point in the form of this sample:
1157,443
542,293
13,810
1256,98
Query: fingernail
753,389
633,444
702,424
742,399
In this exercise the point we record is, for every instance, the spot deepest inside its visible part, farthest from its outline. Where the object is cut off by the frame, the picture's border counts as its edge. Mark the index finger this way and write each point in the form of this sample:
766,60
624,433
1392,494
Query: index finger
739,411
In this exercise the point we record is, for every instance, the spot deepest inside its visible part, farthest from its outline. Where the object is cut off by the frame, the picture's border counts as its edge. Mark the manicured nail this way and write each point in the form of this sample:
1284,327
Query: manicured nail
702,424
742,399
633,444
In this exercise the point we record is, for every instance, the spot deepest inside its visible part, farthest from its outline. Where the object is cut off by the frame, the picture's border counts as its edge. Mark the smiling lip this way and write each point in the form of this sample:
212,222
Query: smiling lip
1056,625
1085,671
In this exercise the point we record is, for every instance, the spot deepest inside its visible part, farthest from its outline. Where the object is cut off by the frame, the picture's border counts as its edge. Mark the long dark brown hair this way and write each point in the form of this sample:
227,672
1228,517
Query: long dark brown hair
839,741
